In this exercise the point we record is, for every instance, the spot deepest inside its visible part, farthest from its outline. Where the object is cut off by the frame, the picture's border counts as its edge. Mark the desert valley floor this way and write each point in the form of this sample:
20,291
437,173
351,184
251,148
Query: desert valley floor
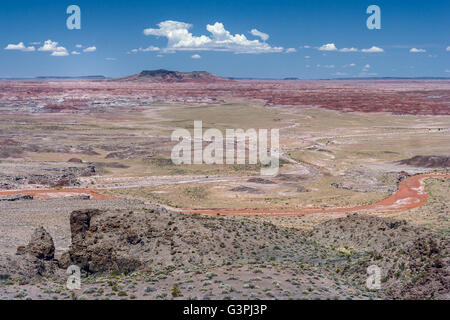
363,180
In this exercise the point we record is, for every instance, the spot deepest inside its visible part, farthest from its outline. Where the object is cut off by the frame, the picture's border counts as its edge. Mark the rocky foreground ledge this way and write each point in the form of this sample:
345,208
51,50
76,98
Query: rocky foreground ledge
414,262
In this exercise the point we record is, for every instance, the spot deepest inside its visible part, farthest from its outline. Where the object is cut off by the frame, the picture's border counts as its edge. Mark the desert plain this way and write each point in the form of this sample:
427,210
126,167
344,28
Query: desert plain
363,180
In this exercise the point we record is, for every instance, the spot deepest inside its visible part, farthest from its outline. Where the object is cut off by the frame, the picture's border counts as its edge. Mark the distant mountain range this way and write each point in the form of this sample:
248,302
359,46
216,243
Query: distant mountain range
167,76
43,78
349,78
391,78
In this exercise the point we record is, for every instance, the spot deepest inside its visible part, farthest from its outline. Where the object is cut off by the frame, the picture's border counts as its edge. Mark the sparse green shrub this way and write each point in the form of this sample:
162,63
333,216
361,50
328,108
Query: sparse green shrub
175,291
122,294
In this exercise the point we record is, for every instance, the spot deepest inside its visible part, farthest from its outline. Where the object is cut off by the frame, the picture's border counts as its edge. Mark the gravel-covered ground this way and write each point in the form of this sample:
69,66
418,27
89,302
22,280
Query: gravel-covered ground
18,219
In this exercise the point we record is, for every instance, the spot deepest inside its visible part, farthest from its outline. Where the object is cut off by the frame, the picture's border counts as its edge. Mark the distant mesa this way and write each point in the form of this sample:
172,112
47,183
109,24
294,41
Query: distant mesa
58,78
167,76
96,77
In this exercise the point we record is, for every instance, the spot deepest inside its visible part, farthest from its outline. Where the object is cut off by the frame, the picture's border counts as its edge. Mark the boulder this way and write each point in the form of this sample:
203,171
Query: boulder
93,253
80,221
40,246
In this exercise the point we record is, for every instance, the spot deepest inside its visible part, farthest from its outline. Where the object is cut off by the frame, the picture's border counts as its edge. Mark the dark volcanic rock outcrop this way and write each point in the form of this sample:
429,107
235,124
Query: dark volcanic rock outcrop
427,161
90,250
35,259
41,245
80,221
414,262
260,181
75,160
246,190
411,258
97,242
155,239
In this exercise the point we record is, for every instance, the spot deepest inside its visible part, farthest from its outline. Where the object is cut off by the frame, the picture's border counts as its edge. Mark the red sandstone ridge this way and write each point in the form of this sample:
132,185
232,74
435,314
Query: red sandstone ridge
166,76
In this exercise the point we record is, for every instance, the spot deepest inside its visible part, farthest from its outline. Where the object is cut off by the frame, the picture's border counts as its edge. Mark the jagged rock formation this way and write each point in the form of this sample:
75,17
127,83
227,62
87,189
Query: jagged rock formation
41,245
156,239
414,262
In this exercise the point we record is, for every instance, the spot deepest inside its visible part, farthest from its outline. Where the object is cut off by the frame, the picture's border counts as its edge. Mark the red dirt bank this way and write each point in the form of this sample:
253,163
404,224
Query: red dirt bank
411,194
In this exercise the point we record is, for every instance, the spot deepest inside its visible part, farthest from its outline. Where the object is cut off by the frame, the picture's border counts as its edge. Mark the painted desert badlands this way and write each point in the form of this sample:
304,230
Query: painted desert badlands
86,179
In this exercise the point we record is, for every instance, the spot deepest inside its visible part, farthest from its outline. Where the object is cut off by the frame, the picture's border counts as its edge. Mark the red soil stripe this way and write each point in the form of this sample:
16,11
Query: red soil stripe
410,194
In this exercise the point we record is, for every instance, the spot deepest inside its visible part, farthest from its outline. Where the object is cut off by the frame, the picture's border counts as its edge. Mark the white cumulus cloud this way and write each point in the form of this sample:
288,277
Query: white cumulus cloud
448,48
148,49
196,56
262,35
54,48
415,50
90,49
373,49
60,53
291,50
366,67
348,50
328,47
180,38
49,45
20,47
332,47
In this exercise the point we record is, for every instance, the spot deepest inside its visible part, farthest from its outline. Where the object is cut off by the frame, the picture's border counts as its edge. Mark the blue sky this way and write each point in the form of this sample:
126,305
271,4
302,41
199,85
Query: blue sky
305,38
